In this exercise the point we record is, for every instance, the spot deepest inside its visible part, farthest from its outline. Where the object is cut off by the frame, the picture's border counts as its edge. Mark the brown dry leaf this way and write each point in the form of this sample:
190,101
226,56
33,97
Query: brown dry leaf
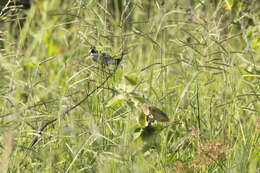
210,153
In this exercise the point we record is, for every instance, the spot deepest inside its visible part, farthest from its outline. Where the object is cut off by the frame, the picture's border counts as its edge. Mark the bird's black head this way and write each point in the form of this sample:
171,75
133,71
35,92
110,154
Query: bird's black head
92,50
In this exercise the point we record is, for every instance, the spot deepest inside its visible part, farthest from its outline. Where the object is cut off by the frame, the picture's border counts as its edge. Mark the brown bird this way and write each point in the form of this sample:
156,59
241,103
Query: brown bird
154,113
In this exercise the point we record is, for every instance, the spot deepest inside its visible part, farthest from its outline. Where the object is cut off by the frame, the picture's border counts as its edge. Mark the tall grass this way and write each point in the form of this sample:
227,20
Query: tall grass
197,61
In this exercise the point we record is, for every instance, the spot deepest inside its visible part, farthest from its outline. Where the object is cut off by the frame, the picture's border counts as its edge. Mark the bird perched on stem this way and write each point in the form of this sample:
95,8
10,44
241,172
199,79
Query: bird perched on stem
154,113
103,58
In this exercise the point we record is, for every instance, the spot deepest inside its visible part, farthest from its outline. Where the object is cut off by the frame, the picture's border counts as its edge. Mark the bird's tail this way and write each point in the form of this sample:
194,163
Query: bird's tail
117,61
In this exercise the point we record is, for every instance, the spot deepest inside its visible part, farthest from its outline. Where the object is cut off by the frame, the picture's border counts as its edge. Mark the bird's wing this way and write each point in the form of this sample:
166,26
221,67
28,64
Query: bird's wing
158,114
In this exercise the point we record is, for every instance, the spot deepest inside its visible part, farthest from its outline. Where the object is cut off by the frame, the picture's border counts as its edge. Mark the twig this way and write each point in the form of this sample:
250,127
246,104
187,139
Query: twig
5,8
198,106
145,68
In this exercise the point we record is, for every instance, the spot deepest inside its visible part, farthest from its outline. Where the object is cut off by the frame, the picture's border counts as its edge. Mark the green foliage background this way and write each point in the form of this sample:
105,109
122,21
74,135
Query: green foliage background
198,61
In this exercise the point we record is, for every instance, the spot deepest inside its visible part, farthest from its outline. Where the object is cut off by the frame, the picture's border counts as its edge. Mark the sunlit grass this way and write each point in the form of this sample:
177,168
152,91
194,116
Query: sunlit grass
188,60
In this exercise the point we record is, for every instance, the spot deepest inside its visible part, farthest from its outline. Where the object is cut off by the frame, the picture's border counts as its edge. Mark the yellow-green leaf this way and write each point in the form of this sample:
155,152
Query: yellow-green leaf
115,100
228,4
133,80
255,43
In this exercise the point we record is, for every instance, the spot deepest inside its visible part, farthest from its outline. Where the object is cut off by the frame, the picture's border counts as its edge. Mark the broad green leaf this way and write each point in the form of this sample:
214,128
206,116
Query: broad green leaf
228,4
139,97
137,133
133,80
255,42
115,100
142,120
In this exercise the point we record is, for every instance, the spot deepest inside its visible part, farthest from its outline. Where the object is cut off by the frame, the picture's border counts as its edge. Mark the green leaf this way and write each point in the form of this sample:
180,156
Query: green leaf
115,100
142,120
137,133
255,42
133,80
139,97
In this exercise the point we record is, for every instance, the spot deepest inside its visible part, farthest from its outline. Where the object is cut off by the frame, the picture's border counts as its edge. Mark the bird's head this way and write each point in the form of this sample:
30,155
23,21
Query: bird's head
145,109
92,50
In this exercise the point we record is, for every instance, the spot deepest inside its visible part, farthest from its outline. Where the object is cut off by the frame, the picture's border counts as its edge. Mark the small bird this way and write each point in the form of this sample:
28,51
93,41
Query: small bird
154,113
102,58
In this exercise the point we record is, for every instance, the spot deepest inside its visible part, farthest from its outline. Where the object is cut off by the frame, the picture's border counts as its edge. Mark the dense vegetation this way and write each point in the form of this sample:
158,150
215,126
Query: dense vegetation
198,61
